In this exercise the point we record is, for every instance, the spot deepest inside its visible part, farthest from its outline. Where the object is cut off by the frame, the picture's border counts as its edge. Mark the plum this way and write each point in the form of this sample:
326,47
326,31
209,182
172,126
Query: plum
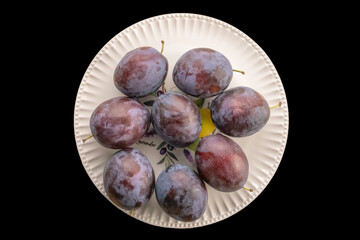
181,193
221,163
140,72
240,112
202,72
129,179
119,122
176,119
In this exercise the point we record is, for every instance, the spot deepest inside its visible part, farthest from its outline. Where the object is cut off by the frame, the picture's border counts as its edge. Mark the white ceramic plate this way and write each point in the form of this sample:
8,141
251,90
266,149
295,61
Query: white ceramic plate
182,32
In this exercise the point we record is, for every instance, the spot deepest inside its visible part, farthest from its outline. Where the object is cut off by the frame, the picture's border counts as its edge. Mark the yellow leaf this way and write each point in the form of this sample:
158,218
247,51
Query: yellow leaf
207,124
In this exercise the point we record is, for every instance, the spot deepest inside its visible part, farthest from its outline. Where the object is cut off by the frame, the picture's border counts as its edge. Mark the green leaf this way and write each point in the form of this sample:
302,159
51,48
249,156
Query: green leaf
172,155
167,162
161,145
199,102
149,103
161,161
194,145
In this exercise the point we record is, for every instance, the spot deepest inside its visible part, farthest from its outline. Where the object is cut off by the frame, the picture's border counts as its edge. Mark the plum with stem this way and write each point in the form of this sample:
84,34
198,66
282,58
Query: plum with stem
221,163
202,72
141,71
240,112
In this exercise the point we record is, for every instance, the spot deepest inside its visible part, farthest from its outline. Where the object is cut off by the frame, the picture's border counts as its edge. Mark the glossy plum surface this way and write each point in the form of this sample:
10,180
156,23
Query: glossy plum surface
181,193
176,119
202,72
129,179
240,112
140,72
221,163
119,122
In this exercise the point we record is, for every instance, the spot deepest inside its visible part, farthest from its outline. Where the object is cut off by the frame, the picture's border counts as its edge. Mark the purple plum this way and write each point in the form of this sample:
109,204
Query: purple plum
119,122
221,163
240,112
129,179
202,72
181,193
140,72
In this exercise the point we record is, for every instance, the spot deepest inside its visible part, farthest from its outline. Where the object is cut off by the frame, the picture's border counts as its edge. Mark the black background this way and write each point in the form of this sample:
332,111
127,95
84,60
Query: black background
67,38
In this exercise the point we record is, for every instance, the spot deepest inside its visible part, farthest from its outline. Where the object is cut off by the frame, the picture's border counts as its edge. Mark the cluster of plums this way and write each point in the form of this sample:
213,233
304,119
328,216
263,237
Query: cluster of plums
120,122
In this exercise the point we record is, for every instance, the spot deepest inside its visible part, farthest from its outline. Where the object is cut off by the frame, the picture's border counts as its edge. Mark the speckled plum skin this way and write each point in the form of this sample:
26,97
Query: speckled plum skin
119,122
140,72
221,163
129,179
181,193
176,119
202,72
240,112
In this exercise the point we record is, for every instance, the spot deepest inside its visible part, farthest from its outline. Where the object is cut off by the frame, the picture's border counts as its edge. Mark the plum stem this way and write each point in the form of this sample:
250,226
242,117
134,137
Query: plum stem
163,83
278,105
248,189
213,132
162,46
163,89
235,70
84,140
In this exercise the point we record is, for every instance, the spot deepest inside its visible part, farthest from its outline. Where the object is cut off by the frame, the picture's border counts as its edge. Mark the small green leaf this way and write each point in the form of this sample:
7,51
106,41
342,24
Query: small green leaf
161,145
149,103
161,161
199,102
172,156
167,162
194,145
